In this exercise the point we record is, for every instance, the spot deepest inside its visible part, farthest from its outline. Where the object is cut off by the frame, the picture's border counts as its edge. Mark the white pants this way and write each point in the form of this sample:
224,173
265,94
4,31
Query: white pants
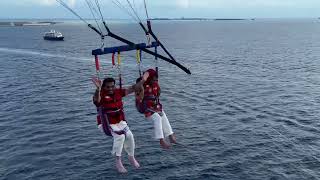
161,125
125,141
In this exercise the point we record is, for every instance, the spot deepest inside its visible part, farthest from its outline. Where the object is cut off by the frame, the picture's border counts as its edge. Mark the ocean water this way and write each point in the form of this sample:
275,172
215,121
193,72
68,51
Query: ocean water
250,109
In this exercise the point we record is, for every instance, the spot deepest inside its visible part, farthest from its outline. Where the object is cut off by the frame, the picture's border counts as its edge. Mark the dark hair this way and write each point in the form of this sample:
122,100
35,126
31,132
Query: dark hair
139,79
107,80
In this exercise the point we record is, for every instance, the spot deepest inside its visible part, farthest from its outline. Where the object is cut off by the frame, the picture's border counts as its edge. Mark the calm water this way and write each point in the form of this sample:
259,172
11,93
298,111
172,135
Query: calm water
250,110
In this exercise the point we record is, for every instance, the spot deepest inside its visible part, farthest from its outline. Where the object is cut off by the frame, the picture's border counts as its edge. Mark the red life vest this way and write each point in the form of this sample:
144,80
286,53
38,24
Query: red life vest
113,106
151,102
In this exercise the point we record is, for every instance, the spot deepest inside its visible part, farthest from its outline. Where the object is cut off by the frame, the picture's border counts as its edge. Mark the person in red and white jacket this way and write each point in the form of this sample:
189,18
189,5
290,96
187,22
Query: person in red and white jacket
108,97
152,108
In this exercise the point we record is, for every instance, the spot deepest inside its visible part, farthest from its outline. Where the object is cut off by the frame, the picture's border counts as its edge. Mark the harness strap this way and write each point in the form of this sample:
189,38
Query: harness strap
123,131
106,125
105,122
150,98
150,110
108,111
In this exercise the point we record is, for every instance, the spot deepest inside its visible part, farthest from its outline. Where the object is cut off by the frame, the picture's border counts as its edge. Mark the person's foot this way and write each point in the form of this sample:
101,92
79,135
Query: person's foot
163,144
173,139
134,162
120,166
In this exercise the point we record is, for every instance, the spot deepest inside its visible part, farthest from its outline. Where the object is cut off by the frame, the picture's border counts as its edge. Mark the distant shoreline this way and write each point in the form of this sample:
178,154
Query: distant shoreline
48,22
30,22
201,19
27,23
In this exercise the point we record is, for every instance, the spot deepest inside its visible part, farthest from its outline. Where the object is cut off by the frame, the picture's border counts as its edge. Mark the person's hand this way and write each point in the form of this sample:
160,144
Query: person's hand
96,82
140,94
138,87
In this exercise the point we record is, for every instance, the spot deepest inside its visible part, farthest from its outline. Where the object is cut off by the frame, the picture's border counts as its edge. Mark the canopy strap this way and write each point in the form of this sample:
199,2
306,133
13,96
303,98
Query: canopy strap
96,60
156,58
138,57
113,61
119,69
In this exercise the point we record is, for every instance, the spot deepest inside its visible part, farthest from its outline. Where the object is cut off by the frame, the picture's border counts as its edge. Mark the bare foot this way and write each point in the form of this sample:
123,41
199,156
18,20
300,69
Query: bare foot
120,166
163,144
134,162
173,139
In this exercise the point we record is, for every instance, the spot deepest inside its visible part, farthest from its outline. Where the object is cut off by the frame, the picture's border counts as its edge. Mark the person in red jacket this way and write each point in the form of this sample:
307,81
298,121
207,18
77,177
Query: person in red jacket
109,98
149,104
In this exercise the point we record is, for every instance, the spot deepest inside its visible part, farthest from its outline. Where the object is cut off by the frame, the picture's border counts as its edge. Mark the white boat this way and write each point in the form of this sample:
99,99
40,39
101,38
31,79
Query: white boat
53,35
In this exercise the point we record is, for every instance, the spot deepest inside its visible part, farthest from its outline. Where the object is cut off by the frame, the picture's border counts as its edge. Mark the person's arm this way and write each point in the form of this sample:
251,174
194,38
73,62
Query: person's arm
96,97
140,94
138,87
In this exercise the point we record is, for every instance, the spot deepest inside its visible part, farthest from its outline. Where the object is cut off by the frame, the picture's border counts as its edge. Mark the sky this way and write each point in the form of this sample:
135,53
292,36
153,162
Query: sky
50,9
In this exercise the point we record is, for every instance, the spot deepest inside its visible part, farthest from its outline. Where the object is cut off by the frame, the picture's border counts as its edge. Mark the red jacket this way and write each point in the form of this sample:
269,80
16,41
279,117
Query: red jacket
113,105
151,98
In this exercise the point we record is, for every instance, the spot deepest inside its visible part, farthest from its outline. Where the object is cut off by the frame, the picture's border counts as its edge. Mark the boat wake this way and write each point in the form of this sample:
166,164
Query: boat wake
37,53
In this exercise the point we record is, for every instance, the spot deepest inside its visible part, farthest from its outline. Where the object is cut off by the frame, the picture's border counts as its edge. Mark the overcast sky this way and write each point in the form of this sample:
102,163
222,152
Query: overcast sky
166,8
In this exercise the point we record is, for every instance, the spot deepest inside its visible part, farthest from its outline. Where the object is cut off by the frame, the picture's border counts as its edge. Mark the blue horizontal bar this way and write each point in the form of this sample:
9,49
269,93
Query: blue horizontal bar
123,48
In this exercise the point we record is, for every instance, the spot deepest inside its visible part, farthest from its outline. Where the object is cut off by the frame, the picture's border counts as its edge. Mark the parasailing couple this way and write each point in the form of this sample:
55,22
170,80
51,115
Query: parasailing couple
111,118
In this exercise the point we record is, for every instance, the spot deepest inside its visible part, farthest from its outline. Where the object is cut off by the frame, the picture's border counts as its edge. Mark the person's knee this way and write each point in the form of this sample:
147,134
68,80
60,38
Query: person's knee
119,138
129,135
157,119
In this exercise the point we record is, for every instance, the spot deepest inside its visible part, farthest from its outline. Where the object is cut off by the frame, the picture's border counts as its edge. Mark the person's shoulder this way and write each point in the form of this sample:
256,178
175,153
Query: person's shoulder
116,91
120,91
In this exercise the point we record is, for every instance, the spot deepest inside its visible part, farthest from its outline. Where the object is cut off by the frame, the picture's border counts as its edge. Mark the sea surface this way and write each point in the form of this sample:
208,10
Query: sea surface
250,109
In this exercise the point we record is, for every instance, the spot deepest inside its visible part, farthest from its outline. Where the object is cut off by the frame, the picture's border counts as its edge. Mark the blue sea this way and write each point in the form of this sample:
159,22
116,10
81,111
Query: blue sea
250,109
